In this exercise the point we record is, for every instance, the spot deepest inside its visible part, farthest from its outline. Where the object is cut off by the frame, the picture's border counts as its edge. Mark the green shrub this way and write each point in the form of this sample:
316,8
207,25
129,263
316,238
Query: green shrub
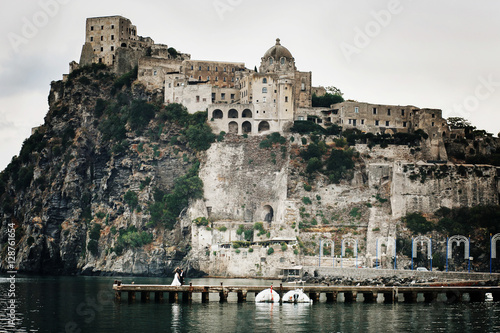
307,187
92,246
131,199
306,201
200,136
417,223
270,250
222,229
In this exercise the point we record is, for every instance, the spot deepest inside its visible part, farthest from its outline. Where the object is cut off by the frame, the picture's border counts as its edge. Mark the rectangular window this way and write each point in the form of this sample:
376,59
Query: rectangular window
199,68
92,28
102,27
233,70
208,68
404,123
356,109
208,78
350,121
374,110
112,37
376,122
387,123
432,124
102,38
216,69
216,78
197,99
433,115
224,69
388,112
112,26
224,79
102,49
286,99
362,121
192,67
301,118
232,96
91,39
213,96
264,99
223,96
403,112
113,48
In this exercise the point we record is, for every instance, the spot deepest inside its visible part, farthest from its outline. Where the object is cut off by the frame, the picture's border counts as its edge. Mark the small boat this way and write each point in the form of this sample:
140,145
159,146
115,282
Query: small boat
296,296
267,296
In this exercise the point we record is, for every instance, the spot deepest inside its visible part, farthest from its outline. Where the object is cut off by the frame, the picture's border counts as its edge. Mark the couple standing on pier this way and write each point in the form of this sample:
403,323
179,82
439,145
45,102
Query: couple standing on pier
178,277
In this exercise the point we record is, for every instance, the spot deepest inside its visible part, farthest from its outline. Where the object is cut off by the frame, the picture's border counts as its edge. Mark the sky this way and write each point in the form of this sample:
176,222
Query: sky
431,54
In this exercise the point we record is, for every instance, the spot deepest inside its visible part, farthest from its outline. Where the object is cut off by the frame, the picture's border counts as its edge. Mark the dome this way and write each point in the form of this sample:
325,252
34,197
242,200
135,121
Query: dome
278,51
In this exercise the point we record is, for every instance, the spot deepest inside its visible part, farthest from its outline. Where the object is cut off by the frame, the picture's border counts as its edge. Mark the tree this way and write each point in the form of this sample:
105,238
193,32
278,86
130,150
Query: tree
459,122
334,91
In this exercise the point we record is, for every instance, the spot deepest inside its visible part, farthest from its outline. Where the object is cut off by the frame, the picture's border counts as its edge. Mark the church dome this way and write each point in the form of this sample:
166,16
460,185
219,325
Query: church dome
278,51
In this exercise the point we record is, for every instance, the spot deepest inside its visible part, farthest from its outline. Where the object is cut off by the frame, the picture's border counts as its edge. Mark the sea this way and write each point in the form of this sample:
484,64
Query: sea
87,304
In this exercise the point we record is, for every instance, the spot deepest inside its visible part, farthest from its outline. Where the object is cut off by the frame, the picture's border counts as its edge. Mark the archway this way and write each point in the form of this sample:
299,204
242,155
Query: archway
217,114
232,113
246,127
124,45
264,126
414,245
268,213
233,127
246,114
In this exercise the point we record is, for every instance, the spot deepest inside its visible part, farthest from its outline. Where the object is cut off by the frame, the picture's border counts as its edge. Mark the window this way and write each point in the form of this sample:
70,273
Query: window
102,38
403,112
112,37
374,110
216,78
388,112
199,78
282,61
232,79
102,27
404,123
192,67
376,122
303,86
350,121
208,68
356,109
216,69
91,39
208,78
271,61
264,99
232,70
197,99
92,28
387,123
102,49
199,68
223,96
362,121
433,115
286,99
301,118
224,69
113,48
112,26
264,90
224,79
232,96
264,80
432,124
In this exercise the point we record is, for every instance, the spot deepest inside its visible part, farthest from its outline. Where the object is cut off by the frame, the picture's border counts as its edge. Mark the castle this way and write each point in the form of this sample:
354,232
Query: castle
242,101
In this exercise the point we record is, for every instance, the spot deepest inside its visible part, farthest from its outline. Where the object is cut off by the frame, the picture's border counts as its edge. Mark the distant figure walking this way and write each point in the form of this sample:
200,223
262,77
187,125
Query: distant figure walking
176,281
181,277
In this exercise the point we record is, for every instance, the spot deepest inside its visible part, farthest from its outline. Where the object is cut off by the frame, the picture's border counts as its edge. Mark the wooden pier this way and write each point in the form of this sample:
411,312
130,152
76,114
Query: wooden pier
370,293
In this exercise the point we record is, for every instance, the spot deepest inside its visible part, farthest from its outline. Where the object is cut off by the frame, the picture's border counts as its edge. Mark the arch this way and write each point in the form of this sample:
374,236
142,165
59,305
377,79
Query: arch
494,245
264,80
124,45
217,114
422,240
264,90
391,241
283,60
233,127
246,114
458,239
232,113
349,242
246,127
271,60
268,213
264,126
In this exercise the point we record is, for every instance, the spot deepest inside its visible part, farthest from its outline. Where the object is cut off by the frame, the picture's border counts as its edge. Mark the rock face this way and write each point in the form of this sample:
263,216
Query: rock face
81,194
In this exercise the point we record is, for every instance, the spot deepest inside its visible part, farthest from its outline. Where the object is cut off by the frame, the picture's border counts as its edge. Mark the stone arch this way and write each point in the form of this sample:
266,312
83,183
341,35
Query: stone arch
348,242
264,126
232,113
124,45
458,239
494,245
422,239
246,114
217,114
233,127
246,127
268,213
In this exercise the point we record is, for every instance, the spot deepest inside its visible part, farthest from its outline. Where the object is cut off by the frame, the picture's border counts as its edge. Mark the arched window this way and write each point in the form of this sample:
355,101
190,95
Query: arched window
246,127
268,213
264,126
124,45
232,114
217,114
246,114
264,80
264,90
271,61
282,61
233,127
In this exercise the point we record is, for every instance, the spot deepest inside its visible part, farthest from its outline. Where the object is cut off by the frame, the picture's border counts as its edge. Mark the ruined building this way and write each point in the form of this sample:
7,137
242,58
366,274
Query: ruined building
239,100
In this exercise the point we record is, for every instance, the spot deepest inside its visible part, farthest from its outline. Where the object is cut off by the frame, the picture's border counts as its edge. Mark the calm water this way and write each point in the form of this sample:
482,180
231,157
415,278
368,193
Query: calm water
86,304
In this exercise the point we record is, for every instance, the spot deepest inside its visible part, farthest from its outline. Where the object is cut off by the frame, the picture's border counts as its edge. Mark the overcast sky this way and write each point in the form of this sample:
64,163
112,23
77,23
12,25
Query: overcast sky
435,54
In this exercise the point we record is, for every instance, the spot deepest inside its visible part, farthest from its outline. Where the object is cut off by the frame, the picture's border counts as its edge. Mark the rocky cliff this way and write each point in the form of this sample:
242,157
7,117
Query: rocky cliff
116,183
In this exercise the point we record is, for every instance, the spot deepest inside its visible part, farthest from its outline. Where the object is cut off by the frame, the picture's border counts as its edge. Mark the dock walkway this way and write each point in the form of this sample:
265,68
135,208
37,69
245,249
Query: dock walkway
350,293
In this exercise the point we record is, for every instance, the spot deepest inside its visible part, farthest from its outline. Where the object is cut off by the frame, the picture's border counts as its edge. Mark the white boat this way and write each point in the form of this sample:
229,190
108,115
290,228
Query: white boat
267,296
296,296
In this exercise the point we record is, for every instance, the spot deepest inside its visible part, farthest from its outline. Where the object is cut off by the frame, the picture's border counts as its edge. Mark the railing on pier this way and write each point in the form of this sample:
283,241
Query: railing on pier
350,293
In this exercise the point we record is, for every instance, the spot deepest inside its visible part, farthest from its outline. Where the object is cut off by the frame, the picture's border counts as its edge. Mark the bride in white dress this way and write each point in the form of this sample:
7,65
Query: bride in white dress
176,281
